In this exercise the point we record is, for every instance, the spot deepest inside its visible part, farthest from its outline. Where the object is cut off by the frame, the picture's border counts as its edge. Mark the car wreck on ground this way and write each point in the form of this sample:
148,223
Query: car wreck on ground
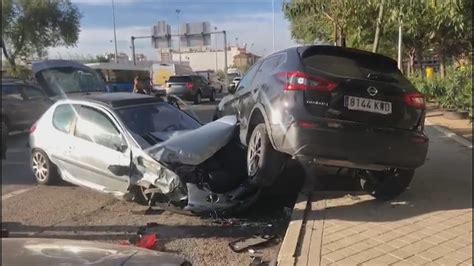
143,148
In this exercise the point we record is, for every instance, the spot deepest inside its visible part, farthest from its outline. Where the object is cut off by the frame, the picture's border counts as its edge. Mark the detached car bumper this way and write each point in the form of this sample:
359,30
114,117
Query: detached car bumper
354,148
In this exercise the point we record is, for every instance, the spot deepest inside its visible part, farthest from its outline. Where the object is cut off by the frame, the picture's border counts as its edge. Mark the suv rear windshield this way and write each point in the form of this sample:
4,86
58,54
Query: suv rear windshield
346,63
180,79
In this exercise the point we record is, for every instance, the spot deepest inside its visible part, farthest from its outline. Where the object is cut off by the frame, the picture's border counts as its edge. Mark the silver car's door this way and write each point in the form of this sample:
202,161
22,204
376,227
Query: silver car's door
100,152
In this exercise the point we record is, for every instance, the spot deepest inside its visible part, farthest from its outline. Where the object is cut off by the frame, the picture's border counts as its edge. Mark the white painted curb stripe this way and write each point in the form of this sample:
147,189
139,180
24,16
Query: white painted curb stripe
15,193
450,134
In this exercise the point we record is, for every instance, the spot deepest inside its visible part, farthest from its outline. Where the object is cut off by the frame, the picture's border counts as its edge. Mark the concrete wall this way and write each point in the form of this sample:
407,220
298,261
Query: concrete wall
207,60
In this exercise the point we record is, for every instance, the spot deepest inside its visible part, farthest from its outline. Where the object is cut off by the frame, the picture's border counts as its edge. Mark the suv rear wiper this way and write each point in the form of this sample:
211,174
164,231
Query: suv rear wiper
380,77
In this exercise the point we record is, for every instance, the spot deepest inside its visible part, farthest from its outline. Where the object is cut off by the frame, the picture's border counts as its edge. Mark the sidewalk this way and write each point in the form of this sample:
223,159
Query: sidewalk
431,223
462,127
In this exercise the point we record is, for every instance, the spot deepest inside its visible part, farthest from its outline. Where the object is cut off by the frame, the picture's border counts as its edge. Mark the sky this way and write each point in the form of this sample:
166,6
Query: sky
249,21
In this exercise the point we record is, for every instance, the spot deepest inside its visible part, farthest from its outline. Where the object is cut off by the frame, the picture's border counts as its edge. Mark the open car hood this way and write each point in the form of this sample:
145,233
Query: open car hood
195,146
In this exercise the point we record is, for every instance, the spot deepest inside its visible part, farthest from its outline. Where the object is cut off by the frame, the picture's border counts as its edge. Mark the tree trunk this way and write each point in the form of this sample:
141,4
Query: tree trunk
411,65
419,58
335,33
7,56
375,47
342,40
442,64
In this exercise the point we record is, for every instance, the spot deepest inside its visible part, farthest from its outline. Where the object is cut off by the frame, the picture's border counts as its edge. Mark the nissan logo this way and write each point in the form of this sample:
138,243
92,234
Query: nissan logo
372,91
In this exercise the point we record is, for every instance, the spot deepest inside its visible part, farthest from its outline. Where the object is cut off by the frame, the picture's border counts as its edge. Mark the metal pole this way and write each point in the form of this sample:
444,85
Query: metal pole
400,42
225,59
133,51
273,35
215,36
179,35
115,34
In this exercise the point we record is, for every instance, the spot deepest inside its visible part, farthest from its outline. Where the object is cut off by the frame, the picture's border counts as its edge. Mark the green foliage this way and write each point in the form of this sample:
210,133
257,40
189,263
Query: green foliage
30,27
101,59
19,72
453,92
221,74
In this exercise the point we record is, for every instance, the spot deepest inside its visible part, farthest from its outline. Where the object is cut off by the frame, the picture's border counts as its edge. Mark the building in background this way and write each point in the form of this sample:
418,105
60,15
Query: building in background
244,60
121,57
206,60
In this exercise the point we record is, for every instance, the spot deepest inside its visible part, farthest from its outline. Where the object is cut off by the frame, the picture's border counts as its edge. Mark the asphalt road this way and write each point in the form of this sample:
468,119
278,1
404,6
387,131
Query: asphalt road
67,211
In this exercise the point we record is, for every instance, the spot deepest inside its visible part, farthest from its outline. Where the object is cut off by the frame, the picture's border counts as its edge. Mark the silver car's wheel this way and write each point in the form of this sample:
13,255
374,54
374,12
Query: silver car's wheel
40,167
254,153
44,171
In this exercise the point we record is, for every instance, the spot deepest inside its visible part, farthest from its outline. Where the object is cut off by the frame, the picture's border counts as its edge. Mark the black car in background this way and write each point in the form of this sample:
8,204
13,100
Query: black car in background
331,106
190,87
22,105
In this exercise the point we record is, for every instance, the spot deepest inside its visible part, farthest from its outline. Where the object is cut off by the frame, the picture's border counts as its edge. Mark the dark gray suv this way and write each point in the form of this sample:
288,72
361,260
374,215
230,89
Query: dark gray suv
331,106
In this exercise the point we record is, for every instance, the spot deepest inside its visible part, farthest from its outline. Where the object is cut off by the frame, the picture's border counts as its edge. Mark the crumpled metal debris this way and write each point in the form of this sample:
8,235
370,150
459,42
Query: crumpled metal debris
244,243
196,146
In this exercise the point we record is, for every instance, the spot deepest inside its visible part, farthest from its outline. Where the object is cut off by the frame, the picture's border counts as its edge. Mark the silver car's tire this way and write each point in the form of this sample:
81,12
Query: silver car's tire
44,170
198,98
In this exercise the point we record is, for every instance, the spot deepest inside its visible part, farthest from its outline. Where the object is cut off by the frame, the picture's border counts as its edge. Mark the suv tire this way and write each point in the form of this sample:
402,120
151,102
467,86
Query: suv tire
264,163
386,185
46,173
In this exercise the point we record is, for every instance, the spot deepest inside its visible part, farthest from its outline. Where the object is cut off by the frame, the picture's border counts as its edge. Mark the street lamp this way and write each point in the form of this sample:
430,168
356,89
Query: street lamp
273,22
115,34
215,37
179,35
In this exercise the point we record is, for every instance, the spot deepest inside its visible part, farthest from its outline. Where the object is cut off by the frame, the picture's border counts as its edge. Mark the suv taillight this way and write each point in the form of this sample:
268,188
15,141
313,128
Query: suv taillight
299,81
415,100
189,85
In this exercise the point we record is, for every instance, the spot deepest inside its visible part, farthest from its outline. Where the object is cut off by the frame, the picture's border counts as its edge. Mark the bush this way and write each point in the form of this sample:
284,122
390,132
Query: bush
453,92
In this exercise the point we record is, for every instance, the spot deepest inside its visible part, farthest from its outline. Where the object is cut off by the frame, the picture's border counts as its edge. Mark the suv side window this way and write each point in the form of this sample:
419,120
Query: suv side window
63,117
269,64
246,80
93,125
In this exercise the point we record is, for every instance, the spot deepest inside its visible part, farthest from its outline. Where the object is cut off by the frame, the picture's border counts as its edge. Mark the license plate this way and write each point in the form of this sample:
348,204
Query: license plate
367,105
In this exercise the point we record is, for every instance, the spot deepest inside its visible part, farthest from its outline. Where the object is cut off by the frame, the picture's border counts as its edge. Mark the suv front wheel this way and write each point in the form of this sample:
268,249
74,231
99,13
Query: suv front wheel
264,163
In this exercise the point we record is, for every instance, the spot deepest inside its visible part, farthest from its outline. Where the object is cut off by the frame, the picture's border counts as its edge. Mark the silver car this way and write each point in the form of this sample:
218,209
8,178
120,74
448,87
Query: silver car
139,147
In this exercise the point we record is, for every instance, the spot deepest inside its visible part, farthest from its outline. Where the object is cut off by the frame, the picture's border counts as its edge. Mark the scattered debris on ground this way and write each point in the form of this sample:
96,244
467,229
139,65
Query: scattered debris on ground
244,243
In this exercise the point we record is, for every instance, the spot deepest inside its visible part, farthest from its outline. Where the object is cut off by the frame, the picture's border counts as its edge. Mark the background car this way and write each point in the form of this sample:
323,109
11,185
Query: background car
22,105
191,87
332,106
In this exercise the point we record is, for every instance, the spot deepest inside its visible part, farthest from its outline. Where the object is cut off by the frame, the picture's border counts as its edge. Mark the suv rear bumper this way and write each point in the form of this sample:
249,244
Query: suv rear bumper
354,148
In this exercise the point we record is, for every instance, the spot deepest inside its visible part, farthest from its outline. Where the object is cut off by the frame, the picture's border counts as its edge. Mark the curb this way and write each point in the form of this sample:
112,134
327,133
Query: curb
450,134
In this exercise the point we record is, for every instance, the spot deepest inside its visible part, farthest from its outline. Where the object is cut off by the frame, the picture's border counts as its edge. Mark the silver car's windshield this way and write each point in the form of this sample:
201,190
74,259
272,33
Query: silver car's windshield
155,122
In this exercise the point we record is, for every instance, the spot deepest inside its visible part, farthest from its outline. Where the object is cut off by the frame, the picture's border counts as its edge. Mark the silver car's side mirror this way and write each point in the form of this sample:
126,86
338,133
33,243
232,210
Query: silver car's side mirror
121,147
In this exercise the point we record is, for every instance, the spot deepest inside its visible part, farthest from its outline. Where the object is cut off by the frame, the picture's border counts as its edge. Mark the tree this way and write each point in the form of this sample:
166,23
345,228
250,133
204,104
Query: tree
30,27
101,59
317,19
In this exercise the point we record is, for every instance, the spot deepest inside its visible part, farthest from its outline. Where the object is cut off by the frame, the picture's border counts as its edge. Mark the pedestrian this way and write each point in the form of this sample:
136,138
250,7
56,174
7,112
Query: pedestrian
137,86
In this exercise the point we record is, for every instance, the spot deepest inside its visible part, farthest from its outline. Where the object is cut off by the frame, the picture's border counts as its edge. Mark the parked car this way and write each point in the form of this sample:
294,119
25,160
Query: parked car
63,78
22,105
191,87
331,106
139,147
